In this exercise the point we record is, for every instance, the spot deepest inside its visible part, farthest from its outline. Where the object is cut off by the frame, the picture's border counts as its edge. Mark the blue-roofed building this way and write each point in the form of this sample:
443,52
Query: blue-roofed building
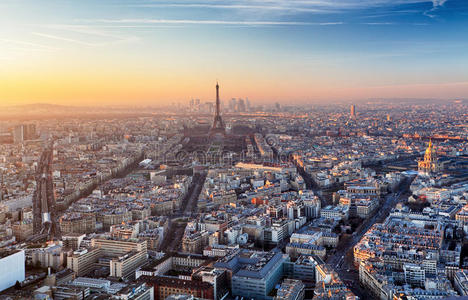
254,274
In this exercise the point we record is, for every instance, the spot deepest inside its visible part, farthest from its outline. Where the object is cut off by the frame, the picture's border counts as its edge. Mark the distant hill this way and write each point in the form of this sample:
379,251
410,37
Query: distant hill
36,107
42,106
415,101
38,111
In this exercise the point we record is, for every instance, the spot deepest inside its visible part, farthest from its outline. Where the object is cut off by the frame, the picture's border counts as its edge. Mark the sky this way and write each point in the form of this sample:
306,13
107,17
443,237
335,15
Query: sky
153,52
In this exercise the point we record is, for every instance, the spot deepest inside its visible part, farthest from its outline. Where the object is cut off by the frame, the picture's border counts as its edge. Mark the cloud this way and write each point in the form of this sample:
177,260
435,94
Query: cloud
275,7
100,38
298,5
65,39
209,22
254,7
13,50
391,13
27,45
436,4
379,23
392,23
112,37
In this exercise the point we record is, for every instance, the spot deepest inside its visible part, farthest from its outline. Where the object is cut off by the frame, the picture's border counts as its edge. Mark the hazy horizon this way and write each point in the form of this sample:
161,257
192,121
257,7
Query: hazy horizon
158,52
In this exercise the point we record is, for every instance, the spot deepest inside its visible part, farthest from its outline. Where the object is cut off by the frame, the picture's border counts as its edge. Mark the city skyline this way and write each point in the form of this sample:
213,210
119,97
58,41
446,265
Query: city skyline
159,52
234,149
277,203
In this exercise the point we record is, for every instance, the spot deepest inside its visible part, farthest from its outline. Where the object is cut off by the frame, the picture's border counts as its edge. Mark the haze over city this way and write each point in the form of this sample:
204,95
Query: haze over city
233,150
128,52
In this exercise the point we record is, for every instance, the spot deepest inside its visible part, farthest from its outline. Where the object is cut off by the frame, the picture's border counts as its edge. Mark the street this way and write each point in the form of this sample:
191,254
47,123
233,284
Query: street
176,228
342,260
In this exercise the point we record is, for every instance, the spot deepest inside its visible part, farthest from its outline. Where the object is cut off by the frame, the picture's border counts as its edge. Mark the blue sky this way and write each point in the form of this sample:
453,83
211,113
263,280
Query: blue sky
278,50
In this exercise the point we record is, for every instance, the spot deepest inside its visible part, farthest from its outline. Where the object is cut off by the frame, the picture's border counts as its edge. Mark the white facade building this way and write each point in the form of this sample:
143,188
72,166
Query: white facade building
14,262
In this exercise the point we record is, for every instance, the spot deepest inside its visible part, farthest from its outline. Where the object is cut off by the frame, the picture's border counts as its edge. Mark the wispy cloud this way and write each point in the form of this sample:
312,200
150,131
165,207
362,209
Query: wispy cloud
65,39
255,7
14,50
299,5
379,23
105,38
209,22
25,45
392,23
111,37
436,4
391,13
293,6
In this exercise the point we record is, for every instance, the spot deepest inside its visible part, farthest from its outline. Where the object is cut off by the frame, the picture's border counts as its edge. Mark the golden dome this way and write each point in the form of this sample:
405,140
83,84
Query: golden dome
429,149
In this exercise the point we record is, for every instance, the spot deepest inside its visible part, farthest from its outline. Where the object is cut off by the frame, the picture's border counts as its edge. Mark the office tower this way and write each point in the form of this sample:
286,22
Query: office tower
232,105
24,132
277,106
240,105
18,134
29,131
353,111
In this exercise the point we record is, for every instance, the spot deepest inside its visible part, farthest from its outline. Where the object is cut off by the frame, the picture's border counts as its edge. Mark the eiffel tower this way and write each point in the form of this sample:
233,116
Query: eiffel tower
218,124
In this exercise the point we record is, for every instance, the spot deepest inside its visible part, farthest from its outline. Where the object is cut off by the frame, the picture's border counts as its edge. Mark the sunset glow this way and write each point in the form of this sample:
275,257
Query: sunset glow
157,52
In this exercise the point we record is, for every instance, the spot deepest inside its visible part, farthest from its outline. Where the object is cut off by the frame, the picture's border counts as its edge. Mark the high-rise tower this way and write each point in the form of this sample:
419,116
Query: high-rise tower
218,124
353,111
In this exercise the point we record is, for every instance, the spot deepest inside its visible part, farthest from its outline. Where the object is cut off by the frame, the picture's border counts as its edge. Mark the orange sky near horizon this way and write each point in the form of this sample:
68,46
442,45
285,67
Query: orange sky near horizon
119,52
139,89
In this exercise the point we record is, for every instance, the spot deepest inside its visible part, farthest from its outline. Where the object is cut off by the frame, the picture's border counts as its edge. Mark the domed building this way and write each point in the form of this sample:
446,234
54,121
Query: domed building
431,163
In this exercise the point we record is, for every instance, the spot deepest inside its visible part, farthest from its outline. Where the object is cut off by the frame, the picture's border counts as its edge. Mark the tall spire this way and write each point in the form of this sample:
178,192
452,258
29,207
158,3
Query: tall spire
218,124
217,98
